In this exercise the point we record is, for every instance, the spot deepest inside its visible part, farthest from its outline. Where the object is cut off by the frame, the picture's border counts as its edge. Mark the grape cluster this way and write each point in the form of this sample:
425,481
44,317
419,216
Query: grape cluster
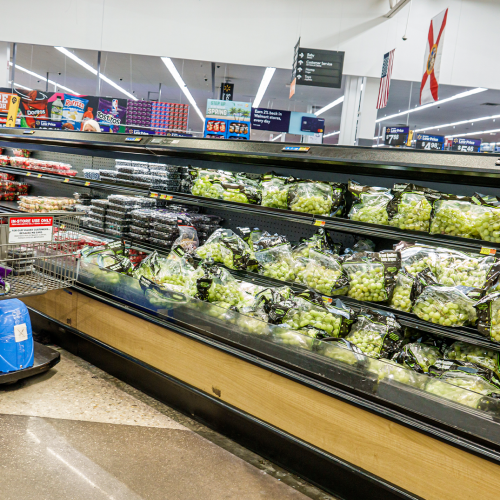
320,278
456,218
274,196
210,250
367,283
292,338
419,265
453,393
425,355
374,214
369,341
414,213
281,270
437,307
461,351
338,353
203,187
466,272
318,205
489,225
387,369
229,294
401,297
495,321
234,195
315,318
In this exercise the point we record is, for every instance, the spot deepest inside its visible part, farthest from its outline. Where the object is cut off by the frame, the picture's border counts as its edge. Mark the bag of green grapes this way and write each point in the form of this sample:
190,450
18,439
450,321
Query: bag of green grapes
372,275
418,356
389,370
161,297
318,320
416,257
324,274
241,190
207,183
276,262
401,297
454,268
447,306
228,248
341,350
411,207
361,245
488,224
321,241
316,197
376,334
369,203
488,315
456,216
481,356
274,191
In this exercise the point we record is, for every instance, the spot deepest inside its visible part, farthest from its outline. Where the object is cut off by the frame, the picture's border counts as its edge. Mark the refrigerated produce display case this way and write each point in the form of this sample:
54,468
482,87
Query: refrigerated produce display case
343,385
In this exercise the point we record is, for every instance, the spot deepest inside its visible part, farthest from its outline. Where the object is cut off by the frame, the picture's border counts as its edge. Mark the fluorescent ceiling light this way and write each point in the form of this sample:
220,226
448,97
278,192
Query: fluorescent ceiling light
475,133
275,138
463,122
40,77
69,54
20,86
330,106
178,78
266,79
430,105
333,133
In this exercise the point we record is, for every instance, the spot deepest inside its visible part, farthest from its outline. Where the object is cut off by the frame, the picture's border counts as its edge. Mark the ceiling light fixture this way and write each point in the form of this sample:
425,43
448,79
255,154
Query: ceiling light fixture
19,85
178,78
275,138
330,106
430,105
40,77
266,79
333,133
475,133
88,67
463,122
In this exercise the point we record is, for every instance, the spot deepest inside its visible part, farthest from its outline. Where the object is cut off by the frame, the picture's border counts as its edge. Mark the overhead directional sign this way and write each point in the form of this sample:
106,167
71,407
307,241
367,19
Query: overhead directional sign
317,68
430,142
466,145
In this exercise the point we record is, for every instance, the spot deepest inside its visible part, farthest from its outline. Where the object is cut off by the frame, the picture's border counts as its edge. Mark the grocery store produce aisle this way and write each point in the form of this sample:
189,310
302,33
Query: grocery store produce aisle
76,432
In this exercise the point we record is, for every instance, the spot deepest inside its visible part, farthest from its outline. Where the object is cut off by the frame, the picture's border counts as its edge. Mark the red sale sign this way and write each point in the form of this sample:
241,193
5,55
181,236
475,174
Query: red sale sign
30,229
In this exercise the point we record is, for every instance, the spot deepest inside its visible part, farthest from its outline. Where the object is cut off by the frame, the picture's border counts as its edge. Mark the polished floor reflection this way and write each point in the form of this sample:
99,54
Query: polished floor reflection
78,433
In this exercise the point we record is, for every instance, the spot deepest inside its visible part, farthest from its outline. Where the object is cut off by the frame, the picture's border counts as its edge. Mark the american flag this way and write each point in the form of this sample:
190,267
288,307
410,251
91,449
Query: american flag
385,82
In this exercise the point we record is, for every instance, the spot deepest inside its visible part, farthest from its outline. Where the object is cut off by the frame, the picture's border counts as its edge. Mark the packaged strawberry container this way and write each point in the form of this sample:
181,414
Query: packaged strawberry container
4,160
7,177
23,153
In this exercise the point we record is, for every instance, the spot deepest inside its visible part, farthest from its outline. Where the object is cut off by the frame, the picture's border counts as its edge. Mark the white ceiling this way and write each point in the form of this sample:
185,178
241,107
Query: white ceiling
142,74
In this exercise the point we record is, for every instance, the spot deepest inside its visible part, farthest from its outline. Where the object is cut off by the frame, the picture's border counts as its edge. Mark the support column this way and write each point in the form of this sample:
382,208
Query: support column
4,64
350,109
368,111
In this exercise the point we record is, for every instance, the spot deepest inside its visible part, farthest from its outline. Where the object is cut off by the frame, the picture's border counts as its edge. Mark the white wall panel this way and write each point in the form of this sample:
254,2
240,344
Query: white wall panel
263,32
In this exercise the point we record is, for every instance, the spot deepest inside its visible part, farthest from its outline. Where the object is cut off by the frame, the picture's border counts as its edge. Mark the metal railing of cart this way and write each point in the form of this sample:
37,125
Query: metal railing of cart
38,252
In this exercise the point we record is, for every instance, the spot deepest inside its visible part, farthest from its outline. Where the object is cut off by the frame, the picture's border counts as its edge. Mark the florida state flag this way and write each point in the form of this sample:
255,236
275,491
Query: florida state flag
432,61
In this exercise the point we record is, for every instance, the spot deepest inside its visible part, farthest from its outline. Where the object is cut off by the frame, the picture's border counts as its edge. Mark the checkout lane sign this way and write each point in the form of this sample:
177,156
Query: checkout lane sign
30,229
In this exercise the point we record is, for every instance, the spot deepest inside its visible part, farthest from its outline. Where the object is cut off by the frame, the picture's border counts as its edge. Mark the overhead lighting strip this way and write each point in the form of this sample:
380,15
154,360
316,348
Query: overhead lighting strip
40,77
333,133
178,78
330,106
82,63
463,122
19,85
479,132
266,79
437,103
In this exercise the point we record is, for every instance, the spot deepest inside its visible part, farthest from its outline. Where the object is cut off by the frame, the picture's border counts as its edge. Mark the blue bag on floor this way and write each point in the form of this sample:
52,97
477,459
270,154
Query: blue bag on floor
16,339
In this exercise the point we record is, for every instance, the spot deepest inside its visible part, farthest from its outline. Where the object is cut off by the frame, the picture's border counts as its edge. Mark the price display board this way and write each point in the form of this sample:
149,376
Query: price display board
465,145
396,136
429,142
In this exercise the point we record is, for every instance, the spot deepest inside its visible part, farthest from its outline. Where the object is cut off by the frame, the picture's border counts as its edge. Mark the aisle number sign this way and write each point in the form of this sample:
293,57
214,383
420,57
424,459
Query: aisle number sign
396,136
30,229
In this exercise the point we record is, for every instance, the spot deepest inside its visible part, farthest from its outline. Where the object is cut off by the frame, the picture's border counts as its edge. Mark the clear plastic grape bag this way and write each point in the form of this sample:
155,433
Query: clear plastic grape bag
488,314
274,191
411,207
415,258
376,334
241,190
488,223
369,203
419,356
207,183
401,297
321,241
323,273
456,216
372,275
481,356
217,285
228,248
455,392
187,242
447,306
276,262
316,197
389,370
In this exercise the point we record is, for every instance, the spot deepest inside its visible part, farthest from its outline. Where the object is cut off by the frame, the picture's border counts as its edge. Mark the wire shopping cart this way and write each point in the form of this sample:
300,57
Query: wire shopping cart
38,252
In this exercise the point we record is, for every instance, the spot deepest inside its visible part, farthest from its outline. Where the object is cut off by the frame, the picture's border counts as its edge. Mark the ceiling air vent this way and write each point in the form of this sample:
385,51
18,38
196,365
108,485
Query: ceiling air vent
490,104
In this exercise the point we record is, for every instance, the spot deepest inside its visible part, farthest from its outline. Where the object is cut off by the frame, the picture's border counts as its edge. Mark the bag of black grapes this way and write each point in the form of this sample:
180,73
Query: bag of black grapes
376,333
372,275
274,191
369,203
227,247
411,207
316,319
323,273
316,197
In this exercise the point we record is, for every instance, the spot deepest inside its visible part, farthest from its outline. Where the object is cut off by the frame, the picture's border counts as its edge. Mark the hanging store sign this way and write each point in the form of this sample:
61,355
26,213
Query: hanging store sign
30,229
396,136
226,91
274,120
429,142
466,145
318,68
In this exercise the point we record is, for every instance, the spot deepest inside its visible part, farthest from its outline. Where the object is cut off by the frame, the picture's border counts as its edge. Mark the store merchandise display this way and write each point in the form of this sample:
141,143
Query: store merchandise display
11,190
167,116
139,113
45,203
52,167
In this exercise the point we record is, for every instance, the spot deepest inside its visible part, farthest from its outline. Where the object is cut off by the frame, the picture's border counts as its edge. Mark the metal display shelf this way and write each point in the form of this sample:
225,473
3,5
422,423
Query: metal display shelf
334,223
